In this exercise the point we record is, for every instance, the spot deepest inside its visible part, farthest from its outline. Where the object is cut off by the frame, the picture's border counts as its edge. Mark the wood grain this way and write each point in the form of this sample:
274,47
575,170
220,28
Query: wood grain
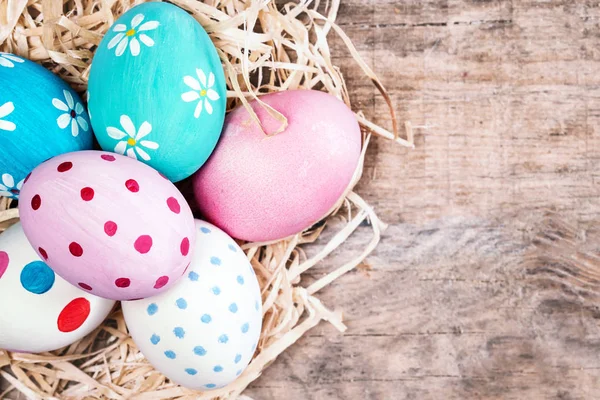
474,292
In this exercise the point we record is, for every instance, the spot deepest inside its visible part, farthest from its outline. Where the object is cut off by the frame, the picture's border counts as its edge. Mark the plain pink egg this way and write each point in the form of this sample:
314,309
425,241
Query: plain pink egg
260,188
108,224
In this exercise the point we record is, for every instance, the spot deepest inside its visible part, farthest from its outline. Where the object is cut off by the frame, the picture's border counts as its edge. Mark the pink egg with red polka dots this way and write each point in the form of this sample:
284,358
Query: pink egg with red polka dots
109,224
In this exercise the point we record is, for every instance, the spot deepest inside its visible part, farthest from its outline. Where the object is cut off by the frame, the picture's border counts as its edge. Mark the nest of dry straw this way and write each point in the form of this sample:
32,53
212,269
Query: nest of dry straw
265,47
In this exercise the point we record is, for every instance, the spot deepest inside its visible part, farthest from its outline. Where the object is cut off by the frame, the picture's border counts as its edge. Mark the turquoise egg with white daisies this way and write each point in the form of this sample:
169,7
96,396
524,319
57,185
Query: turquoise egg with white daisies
157,90
40,117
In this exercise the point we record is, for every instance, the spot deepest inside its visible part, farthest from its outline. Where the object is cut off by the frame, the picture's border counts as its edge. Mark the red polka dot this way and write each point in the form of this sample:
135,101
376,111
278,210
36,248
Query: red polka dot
185,246
87,194
132,185
110,228
85,286
107,157
123,282
73,315
36,202
161,282
3,262
75,249
64,167
173,205
27,177
143,244
43,253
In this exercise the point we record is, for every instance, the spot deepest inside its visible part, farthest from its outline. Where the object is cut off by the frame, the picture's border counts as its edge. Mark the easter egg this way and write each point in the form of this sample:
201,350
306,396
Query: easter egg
40,117
203,332
157,90
107,223
260,188
40,311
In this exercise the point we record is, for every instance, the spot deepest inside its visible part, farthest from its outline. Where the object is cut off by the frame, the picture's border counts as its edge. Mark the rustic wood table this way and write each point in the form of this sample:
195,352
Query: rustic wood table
474,293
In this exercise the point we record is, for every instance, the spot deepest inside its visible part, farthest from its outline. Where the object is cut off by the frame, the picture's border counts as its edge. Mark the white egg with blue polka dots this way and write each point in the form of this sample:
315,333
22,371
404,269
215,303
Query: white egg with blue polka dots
203,332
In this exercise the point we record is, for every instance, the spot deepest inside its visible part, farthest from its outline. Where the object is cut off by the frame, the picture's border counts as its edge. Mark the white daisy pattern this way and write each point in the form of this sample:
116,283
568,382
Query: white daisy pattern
8,60
73,114
129,37
5,110
132,142
202,90
88,102
8,187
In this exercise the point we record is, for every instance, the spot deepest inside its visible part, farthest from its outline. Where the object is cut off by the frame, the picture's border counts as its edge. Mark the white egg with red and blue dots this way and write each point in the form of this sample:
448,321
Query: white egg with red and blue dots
202,332
39,311
60,123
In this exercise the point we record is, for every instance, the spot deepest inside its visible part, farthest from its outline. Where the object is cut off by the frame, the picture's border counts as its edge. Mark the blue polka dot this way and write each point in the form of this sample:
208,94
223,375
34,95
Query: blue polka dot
245,328
191,371
37,277
217,368
199,351
223,338
233,308
215,261
256,305
204,230
152,309
210,386
155,339
238,373
240,279
170,354
232,248
216,290
206,318
193,276
238,357
179,332
181,303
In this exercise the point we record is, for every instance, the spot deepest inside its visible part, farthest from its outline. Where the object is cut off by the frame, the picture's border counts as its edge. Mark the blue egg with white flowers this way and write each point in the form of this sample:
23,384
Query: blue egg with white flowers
40,117
157,90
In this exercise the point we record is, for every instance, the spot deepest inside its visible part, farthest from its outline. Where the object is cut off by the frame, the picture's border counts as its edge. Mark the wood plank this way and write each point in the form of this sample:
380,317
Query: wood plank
465,309
508,110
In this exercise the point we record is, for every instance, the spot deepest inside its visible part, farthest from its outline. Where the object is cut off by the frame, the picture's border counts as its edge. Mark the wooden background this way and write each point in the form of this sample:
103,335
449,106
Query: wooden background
474,292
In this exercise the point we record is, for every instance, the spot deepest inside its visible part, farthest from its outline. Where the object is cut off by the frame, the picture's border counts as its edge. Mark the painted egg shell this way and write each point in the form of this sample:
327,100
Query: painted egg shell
157,90
40,311
203,331
40,117
261,188
107,223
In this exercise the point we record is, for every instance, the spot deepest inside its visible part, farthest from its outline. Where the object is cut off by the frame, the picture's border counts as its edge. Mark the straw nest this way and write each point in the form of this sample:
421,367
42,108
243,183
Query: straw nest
281,46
